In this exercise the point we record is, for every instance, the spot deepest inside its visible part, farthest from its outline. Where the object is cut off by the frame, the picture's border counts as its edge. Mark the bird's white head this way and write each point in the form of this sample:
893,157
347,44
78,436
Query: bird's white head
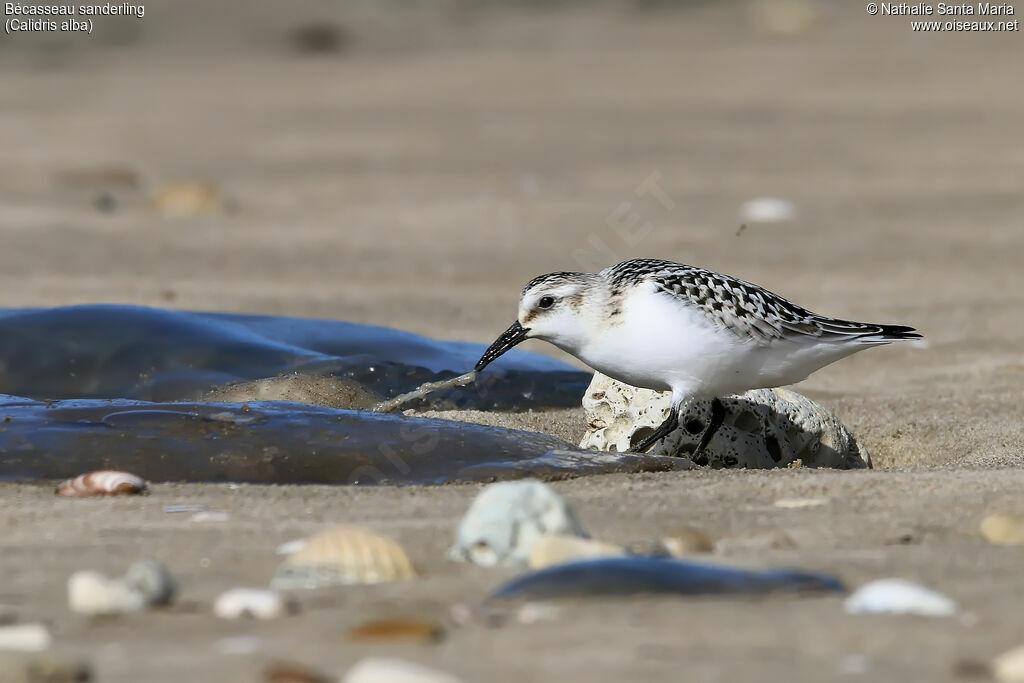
559,308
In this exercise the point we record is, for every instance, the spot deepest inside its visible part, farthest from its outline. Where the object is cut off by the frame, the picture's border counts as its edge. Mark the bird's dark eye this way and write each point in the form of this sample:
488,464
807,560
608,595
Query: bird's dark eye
546,302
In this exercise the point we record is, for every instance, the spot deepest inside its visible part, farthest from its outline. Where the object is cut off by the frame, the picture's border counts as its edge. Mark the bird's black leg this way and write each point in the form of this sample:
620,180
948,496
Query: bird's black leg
663,430
717,416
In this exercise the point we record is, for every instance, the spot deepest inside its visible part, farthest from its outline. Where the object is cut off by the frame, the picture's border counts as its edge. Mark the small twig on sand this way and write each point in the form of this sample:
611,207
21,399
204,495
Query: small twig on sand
423,390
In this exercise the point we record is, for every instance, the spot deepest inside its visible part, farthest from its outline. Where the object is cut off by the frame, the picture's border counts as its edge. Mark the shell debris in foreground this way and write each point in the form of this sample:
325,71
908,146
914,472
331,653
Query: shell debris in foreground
344,555
507,519
102,483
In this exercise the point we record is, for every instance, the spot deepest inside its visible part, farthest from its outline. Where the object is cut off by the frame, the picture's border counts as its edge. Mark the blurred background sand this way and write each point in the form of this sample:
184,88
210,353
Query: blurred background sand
412,164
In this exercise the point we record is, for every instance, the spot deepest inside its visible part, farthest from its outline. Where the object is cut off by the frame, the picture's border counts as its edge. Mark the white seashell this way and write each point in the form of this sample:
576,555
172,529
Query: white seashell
344,555
291,547
102,483
1003,529
897,596
686,541
506,519
394,670
145,583
793,503
255,603
93,593
1009,666
559,549
768,210
25,637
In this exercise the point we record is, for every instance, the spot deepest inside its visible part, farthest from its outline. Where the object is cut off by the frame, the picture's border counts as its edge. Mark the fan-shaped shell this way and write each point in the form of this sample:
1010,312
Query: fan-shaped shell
102,483
344,555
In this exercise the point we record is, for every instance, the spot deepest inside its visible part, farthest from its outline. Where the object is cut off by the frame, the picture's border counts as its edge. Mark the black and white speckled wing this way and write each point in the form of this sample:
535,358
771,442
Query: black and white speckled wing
748,311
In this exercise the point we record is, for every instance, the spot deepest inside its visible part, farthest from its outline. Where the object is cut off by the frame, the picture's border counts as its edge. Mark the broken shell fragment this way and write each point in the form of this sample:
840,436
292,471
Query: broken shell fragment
507,519
344,555
102,483
146,583
559,549
686,541
254,603
411,630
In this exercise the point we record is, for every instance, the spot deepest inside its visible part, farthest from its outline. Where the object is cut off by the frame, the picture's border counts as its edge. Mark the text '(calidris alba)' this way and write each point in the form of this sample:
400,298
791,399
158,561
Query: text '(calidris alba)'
668,326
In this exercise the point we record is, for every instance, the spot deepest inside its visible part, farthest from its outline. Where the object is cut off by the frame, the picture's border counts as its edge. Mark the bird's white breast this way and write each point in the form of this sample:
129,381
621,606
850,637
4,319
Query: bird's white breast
659,342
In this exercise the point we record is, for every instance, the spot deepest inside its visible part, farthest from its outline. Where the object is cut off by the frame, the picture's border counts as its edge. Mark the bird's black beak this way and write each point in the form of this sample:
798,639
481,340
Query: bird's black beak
509,338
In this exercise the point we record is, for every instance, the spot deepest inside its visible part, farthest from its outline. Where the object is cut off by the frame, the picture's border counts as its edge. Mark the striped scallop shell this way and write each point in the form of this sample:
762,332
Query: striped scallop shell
344,555
102,483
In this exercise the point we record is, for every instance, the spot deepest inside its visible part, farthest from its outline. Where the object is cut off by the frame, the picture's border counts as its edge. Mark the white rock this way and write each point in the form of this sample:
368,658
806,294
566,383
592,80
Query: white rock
25,637
763,428
152,580
146,583
394,670
257,603
93,593
1009,666
291,547
767,210
506,520
897,596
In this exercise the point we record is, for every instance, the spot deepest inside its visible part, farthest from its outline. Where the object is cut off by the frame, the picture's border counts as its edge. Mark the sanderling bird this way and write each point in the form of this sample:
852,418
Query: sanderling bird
672,327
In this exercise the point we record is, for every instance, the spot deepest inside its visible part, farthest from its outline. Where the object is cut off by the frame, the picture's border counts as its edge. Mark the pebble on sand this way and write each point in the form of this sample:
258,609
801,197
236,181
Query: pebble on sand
145,584
898,596
344,555
394,670
21,667
767,210
506,519
409,630
1003,529
686,541
187,198
1009,666
649,575
560,548
254,603
25,637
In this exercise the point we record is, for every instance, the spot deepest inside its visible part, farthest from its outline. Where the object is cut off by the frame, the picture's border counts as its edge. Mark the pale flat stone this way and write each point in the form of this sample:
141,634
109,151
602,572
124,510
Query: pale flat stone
764,428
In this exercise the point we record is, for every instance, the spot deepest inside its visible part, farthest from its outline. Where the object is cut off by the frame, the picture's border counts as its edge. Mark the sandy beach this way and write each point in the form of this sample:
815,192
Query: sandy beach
420,168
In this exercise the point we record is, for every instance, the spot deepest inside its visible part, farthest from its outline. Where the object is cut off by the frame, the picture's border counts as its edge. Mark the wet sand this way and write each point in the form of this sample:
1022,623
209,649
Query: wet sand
418,178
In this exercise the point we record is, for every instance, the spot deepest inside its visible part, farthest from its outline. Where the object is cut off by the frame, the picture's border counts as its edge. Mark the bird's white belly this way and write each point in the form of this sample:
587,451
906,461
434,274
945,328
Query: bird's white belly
659,343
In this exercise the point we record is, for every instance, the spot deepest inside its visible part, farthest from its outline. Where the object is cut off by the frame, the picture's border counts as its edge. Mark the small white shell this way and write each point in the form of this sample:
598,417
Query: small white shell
394,670
344,555
25,637
898,596
1009,666
102,483
506,519
93,593
256,603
